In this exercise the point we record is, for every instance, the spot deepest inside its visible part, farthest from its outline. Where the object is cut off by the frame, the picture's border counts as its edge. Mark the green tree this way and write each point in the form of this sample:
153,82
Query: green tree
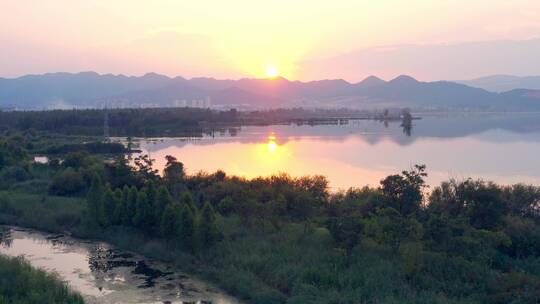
485,205
480,202
187,200
391,228
186,234
448,199
120,173
404,192
94,200
144,165
143,212
75,160
109,204
346,230
131,207
226,206
124,217
245,208
118,207
151,192
67,182
170,221
522,200
163,199
174,175
277,209
302,208
208,231
438,230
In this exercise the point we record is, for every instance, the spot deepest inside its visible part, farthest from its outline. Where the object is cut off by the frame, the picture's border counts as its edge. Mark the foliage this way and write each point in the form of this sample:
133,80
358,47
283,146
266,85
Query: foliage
67,182
143,212
403,192
208,231
96,213
281,239
91,147
20,283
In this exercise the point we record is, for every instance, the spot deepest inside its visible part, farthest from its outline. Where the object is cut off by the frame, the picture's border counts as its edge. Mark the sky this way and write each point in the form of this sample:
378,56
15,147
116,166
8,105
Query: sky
297,39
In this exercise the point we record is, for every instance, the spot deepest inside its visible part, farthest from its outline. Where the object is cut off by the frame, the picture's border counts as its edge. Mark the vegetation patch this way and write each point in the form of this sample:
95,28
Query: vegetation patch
280,239
22,284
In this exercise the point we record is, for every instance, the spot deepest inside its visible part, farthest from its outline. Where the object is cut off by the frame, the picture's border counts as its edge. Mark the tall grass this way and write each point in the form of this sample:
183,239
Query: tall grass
22,284
47,213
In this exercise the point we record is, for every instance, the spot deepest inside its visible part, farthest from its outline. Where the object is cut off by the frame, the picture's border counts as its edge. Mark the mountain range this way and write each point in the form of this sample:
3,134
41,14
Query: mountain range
502,83
89,89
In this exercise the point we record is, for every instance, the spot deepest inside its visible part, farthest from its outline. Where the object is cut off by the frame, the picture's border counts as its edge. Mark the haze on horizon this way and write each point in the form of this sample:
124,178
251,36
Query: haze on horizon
303,40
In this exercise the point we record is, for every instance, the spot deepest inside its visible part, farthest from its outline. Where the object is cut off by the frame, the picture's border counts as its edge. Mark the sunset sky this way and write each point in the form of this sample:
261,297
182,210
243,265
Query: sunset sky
303,39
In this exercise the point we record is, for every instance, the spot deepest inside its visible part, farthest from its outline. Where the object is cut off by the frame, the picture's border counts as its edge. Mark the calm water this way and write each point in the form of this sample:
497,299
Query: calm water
103,274
500,147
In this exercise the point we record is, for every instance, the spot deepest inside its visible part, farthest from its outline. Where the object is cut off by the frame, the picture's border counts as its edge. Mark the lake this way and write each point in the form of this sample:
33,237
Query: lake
501,147
103,274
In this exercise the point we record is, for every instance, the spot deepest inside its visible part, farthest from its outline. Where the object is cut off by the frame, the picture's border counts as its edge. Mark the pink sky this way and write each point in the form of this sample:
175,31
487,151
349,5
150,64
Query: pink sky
429,39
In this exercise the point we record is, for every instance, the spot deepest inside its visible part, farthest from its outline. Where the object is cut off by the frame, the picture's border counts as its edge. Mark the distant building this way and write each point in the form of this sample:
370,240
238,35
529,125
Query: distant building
196,103
180,103
8,108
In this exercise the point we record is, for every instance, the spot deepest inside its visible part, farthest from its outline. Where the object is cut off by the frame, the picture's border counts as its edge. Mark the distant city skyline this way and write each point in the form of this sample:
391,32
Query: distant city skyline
300,40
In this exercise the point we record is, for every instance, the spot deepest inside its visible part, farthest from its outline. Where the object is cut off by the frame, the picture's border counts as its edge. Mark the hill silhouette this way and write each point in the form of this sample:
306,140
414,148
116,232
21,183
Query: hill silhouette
89,89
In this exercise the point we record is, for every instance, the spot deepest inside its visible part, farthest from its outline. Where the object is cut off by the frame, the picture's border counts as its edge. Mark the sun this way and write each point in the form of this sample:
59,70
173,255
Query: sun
272,72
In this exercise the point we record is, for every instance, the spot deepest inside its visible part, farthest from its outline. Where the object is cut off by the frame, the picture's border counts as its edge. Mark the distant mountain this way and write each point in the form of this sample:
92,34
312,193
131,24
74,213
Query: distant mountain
173,91
408,91
90,89
238,97
72,89
503,83
371,81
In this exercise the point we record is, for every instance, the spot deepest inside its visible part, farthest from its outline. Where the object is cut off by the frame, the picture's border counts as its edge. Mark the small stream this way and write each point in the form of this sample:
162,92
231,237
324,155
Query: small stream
103,274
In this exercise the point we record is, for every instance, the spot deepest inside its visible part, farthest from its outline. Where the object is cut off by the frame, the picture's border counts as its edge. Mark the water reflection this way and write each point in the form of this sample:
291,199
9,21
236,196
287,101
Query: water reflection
272,145
104,274
503,148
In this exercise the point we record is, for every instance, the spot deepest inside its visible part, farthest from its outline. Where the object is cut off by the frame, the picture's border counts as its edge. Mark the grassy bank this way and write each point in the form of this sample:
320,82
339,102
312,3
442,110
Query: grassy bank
22,284
65,215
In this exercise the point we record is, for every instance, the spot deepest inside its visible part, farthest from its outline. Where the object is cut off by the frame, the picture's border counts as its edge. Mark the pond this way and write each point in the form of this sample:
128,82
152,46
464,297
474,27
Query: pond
501,147
103,274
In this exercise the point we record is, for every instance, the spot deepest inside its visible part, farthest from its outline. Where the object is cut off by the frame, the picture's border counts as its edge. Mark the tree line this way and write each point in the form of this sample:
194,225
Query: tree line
154,212
150,122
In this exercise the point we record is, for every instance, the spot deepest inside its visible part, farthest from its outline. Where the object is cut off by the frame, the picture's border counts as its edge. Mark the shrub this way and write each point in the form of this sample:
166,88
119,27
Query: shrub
67,182
20,283
13,174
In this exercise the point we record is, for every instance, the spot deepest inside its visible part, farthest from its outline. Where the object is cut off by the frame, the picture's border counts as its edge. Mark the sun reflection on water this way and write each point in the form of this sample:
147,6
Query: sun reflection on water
272,144
271,153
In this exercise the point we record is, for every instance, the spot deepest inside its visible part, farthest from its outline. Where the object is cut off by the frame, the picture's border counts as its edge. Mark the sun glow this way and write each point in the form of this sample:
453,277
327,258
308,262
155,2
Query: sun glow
271,151
272,145
272,72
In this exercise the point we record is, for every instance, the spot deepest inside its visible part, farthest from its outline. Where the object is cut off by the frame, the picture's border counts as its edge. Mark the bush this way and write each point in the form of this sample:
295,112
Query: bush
67,182
13,174
33,186
6,205
20,283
